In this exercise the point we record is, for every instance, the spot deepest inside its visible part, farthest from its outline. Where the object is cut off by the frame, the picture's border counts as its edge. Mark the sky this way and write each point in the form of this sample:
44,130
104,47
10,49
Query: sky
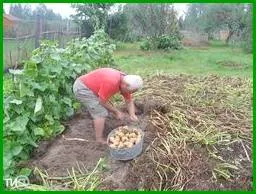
65,10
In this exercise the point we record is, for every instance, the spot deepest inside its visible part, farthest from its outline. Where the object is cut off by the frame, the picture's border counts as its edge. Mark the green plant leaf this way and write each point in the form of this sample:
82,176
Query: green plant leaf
7,162
16,149
19,124
36,58
55,56
26,139
38,131
16,71
25,171
39,105
15,101
69,112
38,86
25,90
58,129
67,101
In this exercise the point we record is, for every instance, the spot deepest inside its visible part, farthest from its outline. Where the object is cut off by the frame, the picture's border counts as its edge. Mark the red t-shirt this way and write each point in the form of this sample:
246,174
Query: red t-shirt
104,82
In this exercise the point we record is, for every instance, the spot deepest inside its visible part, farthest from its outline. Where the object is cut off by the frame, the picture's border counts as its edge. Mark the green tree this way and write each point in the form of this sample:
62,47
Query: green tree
46,13
181,23
117,25
194,17
25,12
19,11
210,17
247,33
151,19
91,16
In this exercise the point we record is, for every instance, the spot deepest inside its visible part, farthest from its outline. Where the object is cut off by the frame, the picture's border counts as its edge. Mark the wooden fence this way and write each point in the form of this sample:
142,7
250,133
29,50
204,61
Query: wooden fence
191,38
19,47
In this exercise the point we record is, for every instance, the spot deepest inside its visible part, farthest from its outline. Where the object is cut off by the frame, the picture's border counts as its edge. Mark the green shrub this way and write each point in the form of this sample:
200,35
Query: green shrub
146,45
165,42
169,42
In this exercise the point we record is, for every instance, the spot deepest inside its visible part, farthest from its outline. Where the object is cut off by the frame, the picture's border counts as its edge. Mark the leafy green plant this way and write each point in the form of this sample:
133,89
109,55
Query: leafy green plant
146,45
39,96
95,51
171,41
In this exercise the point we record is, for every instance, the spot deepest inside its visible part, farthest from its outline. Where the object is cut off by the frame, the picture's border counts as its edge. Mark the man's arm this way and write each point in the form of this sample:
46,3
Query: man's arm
104,95
112,109
131,109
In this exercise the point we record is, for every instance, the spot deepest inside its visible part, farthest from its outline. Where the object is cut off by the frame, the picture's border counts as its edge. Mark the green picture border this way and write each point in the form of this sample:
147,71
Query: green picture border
1,131
127,1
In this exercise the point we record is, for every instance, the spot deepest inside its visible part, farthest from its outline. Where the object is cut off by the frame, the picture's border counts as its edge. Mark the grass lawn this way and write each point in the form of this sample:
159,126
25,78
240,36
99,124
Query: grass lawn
210,59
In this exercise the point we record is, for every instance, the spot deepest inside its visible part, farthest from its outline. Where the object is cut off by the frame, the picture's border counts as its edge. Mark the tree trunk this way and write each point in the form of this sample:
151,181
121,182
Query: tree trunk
229,36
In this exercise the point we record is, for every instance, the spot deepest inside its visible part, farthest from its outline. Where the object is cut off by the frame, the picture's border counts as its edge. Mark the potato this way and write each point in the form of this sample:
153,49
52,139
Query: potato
129,144
126,132
117,138
116,142
121,134
127,135
111,139
121,145
124,139
116,133
126,143
112,146
133,140
132,135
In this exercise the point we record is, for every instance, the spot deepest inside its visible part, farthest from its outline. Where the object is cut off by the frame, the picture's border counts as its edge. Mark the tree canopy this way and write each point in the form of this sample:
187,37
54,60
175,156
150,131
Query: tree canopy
25,12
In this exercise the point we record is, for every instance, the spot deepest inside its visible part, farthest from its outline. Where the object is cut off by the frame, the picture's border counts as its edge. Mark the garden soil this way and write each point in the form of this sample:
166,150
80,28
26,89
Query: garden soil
60,154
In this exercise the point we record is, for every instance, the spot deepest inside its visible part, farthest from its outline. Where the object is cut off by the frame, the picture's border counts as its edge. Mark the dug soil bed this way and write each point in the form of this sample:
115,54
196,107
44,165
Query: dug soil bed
65,151
61,154
194,168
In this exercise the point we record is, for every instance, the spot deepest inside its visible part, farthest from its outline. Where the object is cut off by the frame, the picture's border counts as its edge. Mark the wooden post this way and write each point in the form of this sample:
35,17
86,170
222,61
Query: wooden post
68,25
11,58
110,26
38,31
43,27
19,54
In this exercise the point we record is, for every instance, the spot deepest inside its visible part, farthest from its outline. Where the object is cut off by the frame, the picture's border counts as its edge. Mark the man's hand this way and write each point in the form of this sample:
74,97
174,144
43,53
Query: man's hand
119,115
134,117
131,110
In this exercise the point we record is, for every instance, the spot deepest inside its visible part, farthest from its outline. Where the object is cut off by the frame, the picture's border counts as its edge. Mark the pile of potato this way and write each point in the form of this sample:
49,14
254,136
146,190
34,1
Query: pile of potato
124,138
